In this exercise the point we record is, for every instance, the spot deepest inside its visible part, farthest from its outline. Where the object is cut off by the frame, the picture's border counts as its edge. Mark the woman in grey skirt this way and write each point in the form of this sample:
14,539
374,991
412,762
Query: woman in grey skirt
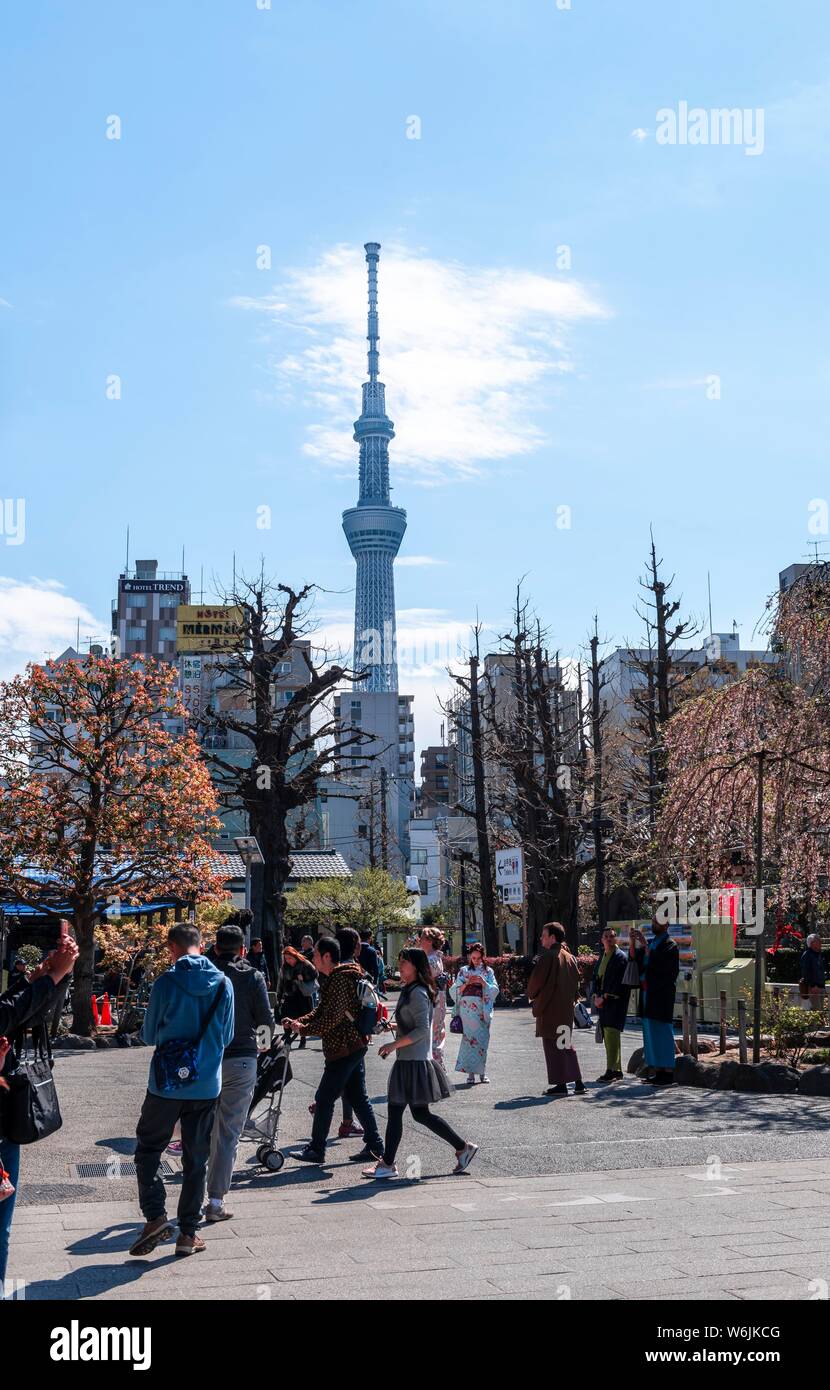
416,1081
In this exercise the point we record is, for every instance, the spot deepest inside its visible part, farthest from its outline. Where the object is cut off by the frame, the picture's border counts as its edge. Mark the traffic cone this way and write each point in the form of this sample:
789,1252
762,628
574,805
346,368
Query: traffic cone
106,1014
96,1020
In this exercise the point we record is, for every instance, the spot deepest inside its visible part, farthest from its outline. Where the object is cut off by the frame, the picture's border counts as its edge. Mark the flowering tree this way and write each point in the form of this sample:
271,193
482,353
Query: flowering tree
775,718
101,801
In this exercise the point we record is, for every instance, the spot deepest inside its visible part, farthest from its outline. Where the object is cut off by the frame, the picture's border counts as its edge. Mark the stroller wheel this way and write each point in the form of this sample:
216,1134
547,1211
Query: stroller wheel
273,1160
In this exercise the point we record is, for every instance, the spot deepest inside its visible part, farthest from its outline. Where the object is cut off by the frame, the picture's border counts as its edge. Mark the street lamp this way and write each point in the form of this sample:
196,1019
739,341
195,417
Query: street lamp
247,846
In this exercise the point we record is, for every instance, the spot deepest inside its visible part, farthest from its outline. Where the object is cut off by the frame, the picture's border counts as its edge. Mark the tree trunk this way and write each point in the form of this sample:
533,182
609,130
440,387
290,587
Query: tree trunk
83,1023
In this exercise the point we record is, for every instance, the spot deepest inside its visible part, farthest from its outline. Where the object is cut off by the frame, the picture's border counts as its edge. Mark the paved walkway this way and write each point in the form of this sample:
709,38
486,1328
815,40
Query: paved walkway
625,1193
747,1232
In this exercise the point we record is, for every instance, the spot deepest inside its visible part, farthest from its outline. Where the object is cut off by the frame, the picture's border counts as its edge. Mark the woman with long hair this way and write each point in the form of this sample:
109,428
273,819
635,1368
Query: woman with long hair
416,1081
431,942
474,993
298,986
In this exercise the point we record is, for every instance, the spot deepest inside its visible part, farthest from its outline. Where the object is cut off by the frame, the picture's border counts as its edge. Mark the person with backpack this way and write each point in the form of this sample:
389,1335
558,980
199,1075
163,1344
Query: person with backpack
253,1031
342,1020
416,1080
20,1010
189,1022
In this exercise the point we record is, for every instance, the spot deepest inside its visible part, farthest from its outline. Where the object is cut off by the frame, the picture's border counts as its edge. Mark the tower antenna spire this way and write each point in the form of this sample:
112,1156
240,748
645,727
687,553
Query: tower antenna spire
372,249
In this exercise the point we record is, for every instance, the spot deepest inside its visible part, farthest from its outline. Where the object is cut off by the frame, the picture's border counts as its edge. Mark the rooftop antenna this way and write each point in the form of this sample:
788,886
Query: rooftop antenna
182,561
709,587
202,584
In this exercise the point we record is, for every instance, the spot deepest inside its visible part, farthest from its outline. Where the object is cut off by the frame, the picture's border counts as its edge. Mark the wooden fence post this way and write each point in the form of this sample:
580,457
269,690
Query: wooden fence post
693,1024
742,1053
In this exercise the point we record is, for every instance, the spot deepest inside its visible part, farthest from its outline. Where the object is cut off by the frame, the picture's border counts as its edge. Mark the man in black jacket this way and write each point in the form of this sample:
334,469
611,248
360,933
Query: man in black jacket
659,964
253,1032
256,959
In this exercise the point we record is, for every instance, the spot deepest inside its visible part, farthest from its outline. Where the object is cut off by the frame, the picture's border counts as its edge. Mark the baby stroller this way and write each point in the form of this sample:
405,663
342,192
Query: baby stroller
262,1125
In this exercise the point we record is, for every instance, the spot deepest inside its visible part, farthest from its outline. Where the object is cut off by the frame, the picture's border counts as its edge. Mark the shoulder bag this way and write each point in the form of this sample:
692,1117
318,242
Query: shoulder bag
175,1063
30,1106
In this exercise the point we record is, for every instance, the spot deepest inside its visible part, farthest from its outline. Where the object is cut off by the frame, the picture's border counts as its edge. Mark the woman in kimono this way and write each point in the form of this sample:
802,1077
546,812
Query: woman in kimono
474,993
431,942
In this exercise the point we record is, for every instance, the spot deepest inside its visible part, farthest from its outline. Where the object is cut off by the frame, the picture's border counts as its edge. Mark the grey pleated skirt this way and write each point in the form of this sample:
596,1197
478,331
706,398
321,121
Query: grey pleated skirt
417,1083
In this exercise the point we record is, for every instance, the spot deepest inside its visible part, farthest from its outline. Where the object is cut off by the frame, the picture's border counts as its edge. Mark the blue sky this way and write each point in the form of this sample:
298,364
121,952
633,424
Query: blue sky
517,386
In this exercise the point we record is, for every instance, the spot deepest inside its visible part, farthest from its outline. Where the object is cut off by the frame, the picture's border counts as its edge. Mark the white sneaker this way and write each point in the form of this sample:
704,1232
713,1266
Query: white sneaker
217,1211
465,1158
485,1080
381,1170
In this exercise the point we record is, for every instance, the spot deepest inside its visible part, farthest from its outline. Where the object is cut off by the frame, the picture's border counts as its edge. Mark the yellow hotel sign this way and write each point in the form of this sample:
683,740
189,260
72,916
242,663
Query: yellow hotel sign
200,628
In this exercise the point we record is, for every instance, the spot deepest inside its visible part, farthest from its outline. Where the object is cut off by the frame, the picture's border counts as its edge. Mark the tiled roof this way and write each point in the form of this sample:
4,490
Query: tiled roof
305,864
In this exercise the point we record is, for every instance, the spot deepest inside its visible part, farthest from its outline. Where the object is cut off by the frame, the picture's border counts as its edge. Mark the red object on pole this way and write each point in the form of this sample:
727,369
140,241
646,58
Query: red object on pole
106,1014
95,1017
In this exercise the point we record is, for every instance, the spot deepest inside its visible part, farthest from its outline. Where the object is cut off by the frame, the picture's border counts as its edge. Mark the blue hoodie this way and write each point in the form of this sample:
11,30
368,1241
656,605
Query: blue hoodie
179,1001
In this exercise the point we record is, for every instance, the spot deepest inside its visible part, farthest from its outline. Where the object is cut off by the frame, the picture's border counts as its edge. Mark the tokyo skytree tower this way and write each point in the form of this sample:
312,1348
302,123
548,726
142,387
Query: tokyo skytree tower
374,528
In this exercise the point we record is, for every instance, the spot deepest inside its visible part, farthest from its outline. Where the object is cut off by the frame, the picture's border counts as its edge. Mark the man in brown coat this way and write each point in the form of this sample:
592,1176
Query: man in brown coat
553,989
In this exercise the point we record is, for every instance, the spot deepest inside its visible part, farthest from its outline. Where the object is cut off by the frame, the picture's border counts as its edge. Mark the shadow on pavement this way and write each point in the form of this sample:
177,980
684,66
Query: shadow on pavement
110,1240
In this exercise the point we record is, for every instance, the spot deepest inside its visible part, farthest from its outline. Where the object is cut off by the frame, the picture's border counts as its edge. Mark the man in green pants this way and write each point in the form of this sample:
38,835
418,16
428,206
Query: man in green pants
611,1000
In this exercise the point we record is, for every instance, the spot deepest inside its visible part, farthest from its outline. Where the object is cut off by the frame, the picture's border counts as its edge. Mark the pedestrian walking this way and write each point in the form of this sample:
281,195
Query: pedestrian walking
611,1000
253,1031
298,986
553,989
189,1022
431,942
22,1009
416,1081
256,959
344,1050
659,965
474,993
813,975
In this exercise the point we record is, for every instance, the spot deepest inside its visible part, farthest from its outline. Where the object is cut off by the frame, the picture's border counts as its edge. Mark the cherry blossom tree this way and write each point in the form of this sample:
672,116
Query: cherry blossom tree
103,799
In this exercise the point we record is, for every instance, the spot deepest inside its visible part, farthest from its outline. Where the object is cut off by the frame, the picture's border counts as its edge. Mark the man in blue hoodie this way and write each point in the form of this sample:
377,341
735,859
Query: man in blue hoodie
191,1001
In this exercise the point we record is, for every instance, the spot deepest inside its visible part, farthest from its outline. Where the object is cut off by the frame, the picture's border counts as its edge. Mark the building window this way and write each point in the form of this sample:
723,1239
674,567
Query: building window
419,856
167,634
136,633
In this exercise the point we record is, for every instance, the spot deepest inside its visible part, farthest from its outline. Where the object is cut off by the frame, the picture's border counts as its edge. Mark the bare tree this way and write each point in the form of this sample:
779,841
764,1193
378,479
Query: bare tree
289,746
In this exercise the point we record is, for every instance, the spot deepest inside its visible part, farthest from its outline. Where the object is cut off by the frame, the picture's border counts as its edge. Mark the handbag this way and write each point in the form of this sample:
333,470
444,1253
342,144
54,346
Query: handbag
598,1035
30,1106
582,1016
631,977
175,1063
456,1025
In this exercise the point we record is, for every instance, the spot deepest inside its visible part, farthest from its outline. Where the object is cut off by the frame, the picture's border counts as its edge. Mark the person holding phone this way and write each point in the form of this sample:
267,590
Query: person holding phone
20,1010
474,993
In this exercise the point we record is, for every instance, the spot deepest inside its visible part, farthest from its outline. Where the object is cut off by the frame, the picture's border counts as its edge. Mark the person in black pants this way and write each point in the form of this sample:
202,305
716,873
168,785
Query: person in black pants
416,1081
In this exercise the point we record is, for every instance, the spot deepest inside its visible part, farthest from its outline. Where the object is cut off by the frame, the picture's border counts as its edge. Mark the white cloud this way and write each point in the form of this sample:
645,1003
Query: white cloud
37,617
416,561
467,354
639,134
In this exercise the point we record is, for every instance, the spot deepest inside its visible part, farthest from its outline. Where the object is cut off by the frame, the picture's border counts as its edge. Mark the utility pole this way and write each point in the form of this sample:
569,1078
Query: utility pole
371,858
488,908
596,739
759,890
384,827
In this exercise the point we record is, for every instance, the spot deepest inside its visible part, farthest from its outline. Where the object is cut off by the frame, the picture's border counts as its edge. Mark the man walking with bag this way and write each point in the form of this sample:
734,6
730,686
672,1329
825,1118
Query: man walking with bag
189,1021
337,1021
